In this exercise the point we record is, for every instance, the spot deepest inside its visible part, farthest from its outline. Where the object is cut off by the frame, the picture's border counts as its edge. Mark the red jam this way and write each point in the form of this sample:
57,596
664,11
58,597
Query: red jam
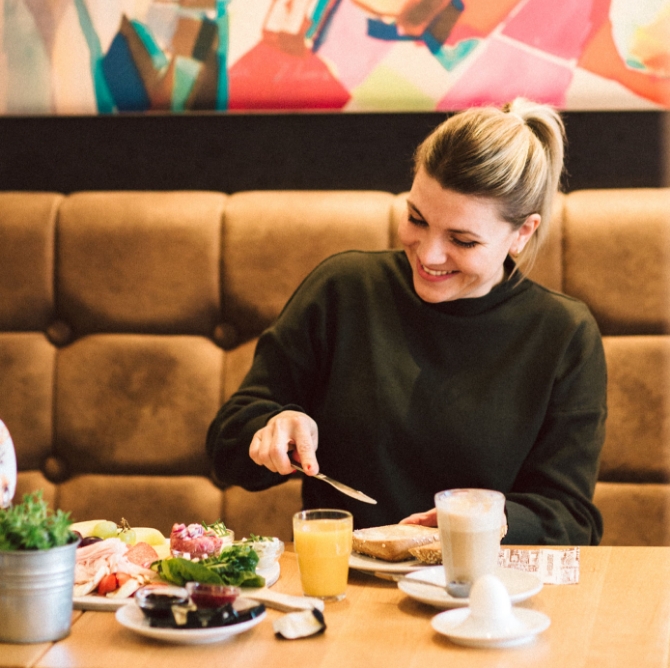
211,596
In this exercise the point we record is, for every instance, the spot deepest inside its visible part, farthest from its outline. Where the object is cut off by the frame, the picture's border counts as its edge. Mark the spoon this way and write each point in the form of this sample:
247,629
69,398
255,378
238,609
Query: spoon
341,487
454,589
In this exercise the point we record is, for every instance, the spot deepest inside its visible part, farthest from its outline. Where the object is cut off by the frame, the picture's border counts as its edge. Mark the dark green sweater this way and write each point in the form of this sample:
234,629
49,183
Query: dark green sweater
505,391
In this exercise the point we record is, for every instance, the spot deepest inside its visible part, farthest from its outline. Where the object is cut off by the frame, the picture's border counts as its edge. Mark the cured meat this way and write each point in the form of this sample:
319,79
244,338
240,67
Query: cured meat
102,558
194,542
142,554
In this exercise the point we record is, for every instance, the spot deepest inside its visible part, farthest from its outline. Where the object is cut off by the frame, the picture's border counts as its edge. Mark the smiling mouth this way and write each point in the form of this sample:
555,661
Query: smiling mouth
433,272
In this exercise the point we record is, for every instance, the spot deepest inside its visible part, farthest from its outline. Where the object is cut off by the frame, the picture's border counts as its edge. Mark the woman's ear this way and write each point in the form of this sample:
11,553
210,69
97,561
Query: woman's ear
524,233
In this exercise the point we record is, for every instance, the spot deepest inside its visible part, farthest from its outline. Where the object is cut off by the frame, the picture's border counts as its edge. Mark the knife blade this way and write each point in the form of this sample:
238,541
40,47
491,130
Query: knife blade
340,486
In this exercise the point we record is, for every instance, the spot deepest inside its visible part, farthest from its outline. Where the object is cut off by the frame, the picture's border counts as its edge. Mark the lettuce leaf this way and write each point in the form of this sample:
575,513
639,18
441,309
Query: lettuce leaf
235,565
179,571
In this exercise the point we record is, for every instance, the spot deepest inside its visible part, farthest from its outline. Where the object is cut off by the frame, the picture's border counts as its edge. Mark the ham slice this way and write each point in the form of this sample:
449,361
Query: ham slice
142,554
111,556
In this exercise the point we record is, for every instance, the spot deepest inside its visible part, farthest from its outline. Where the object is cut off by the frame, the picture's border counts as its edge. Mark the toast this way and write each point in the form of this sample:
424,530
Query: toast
431,553
392,542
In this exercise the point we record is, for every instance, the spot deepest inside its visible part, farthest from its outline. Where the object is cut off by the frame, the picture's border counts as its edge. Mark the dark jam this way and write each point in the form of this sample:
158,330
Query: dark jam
158,605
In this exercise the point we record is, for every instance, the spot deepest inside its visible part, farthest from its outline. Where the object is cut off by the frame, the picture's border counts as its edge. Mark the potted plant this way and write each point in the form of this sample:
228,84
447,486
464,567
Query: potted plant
37,561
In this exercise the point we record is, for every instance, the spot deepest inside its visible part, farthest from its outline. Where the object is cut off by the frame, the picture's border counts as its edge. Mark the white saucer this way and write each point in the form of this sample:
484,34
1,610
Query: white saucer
519,585
133,618
362,562
449,624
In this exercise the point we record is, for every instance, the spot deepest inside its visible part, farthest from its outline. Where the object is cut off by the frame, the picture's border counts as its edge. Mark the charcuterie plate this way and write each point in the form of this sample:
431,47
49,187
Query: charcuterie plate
110,604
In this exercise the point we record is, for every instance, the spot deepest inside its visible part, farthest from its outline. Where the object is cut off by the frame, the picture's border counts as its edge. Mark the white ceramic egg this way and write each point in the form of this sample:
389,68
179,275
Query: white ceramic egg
489,599
491,610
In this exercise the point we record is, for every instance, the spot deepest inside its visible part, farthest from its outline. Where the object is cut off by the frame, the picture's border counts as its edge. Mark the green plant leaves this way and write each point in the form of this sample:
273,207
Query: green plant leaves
31,525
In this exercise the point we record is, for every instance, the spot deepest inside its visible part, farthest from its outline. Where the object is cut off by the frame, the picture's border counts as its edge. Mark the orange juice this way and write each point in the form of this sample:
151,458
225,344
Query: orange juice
323,545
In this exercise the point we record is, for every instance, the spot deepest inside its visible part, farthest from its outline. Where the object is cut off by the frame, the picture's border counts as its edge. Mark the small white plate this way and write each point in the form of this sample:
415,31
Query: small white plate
361,562
99,603
519,585
110,604
133,618
448,623
271,575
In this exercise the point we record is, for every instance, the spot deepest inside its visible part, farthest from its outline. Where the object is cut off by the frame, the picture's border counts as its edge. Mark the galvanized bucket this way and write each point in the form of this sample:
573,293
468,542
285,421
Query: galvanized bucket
36,590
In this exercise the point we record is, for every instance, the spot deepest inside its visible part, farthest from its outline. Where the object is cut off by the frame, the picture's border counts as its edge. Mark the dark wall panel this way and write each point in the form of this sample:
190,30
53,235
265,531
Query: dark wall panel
614,150
305,151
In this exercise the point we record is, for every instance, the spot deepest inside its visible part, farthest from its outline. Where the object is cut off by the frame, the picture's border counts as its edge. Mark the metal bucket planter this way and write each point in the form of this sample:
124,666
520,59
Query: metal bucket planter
36,590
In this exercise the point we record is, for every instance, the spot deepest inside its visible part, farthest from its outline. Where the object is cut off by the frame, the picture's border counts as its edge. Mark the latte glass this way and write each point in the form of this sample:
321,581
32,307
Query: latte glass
470,523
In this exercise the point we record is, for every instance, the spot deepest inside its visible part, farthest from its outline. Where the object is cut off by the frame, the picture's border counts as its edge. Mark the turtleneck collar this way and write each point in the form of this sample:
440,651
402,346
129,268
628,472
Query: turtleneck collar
513,283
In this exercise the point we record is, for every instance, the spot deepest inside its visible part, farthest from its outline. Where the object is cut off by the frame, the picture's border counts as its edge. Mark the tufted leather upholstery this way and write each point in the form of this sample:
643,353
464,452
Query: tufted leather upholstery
126,318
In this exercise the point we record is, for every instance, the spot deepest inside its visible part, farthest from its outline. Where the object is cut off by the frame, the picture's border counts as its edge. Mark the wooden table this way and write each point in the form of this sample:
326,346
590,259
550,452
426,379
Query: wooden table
618,615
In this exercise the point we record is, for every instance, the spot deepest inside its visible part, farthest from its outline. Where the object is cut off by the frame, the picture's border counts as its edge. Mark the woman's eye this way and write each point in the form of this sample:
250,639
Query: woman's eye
419,222
464,244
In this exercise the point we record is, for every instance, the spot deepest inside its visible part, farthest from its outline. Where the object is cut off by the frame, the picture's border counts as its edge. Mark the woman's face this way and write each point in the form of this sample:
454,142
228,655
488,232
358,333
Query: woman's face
456,244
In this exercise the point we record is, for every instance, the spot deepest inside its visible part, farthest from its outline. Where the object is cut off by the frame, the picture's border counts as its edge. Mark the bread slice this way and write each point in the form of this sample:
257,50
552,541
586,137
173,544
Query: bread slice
430,553
392,542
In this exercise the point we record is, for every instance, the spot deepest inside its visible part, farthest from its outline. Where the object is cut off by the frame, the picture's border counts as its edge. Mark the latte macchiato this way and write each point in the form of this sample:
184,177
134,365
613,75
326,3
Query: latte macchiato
470,522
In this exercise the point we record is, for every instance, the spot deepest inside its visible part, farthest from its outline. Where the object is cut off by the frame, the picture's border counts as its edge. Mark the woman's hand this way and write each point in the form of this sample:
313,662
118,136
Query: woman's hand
285,432
427,519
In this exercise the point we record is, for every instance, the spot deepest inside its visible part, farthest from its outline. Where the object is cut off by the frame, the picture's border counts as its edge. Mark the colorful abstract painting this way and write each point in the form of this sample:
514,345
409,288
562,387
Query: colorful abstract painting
115,56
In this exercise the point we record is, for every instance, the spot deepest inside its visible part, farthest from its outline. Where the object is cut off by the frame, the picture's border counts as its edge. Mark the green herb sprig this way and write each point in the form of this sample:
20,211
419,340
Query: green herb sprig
31,525
218,527
253,538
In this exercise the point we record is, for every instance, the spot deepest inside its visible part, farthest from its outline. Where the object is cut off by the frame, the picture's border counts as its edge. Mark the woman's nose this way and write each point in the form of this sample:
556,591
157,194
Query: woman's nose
433,251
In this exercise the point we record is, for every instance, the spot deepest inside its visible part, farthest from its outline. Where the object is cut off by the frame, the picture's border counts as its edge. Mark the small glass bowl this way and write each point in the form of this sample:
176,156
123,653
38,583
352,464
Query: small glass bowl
197,555
268,551
156,601
206,595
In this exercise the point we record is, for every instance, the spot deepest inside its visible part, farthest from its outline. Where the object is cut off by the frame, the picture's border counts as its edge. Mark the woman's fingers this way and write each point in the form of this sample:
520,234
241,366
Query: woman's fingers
426,519
306,442
283,440
258,450
286,431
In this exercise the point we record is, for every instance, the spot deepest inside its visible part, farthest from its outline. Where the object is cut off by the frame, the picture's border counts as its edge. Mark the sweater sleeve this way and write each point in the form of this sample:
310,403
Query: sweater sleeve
551,500
286,362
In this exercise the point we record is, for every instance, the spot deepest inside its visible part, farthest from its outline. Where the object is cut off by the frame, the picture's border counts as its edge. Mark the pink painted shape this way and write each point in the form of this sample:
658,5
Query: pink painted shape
560,28
503,72
348,47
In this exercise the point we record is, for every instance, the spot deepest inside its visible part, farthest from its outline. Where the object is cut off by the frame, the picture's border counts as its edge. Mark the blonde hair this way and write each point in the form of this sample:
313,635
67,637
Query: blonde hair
513,155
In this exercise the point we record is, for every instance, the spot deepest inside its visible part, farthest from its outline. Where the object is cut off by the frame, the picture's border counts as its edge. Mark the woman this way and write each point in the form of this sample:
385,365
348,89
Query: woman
438,366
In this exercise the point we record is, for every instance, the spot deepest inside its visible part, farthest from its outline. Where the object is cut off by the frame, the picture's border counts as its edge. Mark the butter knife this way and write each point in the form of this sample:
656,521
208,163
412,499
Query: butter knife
341,487
283,602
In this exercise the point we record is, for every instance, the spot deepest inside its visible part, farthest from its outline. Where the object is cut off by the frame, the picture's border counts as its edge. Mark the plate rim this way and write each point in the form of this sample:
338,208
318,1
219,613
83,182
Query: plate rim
124,616
371,565
444,601
458,615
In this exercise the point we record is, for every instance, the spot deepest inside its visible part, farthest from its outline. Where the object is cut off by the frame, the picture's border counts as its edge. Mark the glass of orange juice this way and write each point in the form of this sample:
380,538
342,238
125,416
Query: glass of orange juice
322,540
